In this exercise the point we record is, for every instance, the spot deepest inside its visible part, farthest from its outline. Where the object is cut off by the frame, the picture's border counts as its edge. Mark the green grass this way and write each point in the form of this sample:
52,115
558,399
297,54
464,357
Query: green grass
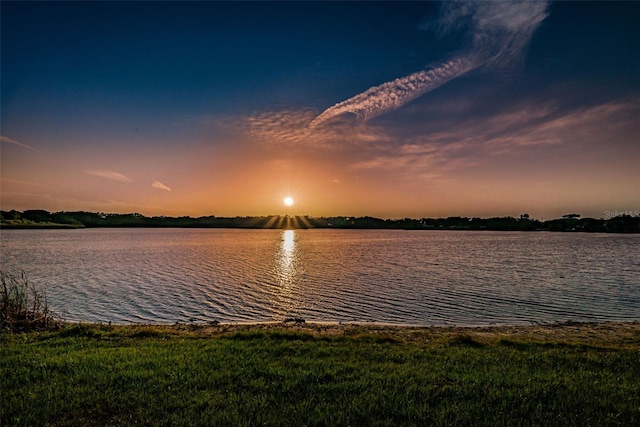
102,375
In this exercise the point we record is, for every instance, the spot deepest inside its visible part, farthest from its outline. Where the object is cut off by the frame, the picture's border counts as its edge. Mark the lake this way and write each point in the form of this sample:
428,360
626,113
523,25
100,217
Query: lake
386,276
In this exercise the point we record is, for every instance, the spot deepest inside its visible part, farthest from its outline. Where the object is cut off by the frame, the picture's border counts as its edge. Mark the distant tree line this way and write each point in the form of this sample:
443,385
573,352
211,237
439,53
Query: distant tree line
570,222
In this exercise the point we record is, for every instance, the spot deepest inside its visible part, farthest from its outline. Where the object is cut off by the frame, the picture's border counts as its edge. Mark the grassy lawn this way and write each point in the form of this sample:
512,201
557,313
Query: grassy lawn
296,375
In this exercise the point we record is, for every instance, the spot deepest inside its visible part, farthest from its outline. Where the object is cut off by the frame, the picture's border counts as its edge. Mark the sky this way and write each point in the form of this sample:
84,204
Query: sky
392,110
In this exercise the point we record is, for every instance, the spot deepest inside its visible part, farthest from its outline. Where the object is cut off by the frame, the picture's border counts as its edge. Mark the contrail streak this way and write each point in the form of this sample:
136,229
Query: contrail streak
500,31
394,94
14,142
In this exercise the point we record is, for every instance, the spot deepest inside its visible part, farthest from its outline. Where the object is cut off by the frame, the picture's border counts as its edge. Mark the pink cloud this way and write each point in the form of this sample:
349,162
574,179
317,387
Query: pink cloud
106,174
160,186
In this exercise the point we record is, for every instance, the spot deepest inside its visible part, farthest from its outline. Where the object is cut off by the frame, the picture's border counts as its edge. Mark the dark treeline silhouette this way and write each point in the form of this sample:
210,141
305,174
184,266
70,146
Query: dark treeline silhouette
570,222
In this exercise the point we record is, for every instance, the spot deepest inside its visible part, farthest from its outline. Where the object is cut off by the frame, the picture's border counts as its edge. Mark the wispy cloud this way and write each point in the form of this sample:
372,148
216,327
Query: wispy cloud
289,129
21,182
161,186
106,174
7,140
587,125
499,33
523,129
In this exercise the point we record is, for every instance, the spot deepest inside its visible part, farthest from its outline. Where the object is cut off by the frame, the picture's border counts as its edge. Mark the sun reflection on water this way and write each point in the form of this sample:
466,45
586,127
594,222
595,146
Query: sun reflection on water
288,247
287,273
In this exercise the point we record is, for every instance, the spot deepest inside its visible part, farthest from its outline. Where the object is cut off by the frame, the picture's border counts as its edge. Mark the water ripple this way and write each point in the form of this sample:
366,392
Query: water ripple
398,277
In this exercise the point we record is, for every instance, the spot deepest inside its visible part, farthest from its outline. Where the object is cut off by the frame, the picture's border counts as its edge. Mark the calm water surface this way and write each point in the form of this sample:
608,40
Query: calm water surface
387,276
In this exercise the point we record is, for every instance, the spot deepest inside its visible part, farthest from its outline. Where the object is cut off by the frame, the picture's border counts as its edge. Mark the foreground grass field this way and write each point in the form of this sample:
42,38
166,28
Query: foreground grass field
571,374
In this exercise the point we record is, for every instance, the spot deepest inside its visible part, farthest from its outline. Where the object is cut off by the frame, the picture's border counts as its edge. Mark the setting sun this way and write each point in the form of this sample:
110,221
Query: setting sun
288,201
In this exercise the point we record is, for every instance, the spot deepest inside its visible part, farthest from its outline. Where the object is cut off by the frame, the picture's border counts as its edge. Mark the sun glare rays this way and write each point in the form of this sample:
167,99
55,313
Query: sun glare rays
287,222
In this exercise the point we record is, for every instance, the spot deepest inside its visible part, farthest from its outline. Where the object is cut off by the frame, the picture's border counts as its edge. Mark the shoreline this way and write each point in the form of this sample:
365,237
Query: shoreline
5,227
587,333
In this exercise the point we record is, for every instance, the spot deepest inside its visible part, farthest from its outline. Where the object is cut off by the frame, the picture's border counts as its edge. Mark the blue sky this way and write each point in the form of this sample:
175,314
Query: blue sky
353,108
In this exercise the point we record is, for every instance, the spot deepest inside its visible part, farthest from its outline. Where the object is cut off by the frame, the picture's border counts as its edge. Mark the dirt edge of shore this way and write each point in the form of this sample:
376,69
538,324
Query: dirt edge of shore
596,334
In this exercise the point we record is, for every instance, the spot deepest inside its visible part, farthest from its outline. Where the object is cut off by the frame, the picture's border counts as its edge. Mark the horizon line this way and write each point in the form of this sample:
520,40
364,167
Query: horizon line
606,215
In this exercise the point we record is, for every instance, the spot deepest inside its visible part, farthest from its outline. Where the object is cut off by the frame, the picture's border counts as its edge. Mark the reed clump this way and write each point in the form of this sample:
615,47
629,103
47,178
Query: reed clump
23,305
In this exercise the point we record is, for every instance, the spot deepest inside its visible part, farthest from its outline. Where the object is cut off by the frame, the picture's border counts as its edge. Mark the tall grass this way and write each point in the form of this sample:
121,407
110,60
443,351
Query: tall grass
23,305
